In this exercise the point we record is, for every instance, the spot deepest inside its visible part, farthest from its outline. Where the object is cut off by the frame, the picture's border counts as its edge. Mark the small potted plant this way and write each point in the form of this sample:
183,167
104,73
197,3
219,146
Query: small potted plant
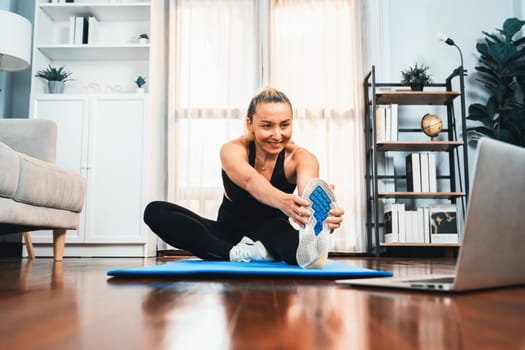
140,81
416,77
143,38
56,77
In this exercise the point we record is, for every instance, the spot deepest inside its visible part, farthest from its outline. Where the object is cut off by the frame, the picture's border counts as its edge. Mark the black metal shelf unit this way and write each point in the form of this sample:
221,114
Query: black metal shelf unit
454,146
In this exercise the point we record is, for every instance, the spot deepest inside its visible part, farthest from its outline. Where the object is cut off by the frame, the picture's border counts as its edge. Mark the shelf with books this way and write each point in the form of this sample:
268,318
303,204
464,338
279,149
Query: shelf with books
417,145
427,195
408,97
410,244
110,11
95,51
400,207
93,36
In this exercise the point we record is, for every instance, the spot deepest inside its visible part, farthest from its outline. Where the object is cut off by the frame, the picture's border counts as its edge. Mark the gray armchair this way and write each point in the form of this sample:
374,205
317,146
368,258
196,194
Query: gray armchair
35,194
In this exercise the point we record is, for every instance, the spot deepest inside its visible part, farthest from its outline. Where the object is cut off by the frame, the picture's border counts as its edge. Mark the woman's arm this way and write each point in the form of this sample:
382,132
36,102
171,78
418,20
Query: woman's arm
307,168
234,160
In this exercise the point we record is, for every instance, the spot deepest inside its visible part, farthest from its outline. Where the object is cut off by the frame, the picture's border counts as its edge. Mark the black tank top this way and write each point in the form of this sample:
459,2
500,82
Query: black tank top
243,211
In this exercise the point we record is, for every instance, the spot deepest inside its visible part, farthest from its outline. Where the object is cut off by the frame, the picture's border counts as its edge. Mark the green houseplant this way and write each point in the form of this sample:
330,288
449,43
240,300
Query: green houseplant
140,81
501,72
143,38
416,77
56,77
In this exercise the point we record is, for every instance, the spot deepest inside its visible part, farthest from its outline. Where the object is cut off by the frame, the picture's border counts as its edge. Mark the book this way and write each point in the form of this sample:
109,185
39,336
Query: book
388,123
423,165
432,177
413,173
92,30
443,223
79,29
401,222
71,37
394,122
420,225
411,226
426,225
380,124
85,30
390,221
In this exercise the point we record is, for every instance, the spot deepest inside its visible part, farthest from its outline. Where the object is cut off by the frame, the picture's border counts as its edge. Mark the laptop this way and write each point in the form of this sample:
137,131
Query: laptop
493,249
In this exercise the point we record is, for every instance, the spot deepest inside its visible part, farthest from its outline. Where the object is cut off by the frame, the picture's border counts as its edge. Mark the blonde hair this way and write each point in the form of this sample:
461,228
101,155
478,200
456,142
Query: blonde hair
267,95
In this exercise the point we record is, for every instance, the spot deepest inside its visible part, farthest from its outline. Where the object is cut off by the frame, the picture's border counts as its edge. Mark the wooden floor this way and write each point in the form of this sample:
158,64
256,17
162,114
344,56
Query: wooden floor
74,305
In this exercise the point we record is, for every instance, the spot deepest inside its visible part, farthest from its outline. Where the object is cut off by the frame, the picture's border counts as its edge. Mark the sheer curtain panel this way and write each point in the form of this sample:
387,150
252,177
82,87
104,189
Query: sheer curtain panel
315,57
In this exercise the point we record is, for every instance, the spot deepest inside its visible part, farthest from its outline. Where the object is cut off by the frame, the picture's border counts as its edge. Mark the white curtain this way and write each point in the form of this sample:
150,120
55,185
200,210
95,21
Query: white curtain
217,54
315,57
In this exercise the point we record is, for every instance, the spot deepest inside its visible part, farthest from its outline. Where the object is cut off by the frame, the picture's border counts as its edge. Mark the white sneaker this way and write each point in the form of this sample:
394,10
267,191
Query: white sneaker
314,238
247,250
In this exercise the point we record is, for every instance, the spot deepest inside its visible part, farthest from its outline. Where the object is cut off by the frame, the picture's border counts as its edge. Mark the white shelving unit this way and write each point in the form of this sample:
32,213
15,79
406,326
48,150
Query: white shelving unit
103,123
108,64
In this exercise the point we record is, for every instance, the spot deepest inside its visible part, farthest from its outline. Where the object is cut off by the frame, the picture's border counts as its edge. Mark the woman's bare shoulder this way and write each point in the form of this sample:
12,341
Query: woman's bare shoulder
236,145
297,152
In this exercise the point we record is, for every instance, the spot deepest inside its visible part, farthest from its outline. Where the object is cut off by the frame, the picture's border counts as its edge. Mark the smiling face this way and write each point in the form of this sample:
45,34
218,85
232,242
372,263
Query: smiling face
271,126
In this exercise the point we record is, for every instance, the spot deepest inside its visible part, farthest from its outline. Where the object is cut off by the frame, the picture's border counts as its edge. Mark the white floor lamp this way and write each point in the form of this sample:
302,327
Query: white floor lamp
15,42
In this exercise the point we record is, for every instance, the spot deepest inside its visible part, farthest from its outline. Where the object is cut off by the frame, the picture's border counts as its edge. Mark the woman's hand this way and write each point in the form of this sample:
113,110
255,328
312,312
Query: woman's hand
300,215
295,208
335,218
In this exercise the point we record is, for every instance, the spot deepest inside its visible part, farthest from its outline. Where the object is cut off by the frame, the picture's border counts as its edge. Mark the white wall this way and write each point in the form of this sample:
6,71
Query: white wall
403,32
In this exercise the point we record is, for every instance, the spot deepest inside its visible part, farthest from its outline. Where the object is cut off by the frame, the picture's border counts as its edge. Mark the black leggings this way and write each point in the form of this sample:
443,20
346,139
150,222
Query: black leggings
212,240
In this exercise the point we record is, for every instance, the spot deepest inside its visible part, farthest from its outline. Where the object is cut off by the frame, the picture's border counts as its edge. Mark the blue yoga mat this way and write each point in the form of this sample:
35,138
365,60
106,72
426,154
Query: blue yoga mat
197,267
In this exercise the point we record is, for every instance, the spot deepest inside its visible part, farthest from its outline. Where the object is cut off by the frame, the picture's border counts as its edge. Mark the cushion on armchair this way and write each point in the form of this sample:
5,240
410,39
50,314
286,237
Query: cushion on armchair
46,185
10,165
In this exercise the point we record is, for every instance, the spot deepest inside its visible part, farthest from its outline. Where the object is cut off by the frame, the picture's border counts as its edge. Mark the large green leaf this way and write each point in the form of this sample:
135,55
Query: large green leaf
501,52
511,26
477,111
495,38
518,54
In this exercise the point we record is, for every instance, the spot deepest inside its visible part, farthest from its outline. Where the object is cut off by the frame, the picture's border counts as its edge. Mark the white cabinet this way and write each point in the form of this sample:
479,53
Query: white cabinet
105,138
115,168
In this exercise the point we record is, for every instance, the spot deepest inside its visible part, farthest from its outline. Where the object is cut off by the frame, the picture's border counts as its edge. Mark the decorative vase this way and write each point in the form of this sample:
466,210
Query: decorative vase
416,87
55,87
143,41
140,90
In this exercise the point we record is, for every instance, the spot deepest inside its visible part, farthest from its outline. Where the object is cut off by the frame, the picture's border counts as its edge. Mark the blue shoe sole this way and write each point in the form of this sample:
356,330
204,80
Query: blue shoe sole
314,237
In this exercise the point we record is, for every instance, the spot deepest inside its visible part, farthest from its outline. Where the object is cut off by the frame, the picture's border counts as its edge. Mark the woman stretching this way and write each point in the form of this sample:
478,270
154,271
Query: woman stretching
260,218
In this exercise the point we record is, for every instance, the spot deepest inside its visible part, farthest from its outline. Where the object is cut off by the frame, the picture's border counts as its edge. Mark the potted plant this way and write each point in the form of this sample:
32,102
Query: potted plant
416,77
56,77
143,38
140,81
502,75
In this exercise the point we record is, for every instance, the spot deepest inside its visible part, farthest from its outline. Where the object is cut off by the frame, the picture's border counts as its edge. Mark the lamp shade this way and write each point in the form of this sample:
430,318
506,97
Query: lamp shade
15,41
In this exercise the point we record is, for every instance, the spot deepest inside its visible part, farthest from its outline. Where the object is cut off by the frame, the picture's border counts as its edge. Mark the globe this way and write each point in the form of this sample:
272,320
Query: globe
431,125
